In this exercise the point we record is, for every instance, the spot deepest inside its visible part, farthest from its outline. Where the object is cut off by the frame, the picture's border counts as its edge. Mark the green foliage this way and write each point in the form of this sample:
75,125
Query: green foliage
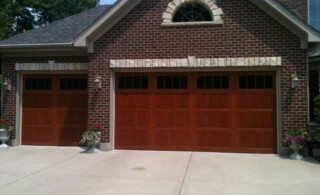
294,132
92,134
53,10
16,17
4,125
21,15
6,20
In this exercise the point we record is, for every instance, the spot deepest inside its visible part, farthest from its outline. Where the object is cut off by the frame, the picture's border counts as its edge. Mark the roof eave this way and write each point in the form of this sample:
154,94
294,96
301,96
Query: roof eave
291,21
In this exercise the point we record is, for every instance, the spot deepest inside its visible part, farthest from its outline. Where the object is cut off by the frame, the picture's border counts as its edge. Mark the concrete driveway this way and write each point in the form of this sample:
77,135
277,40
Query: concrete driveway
42,170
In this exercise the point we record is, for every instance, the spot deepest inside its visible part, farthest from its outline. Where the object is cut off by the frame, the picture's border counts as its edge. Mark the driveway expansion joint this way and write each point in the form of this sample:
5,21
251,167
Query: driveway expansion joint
38,171
185,174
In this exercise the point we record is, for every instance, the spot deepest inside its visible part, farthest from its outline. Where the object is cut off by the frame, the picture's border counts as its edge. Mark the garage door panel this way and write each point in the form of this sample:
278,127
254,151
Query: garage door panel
70,135
132,100
175,137
256,101
53,113
37,101
71,117
213,119
257,138
214,138
256,119
173,101
209,112
40,134
209,100
38,117
132,137
72,101
172,118
132,118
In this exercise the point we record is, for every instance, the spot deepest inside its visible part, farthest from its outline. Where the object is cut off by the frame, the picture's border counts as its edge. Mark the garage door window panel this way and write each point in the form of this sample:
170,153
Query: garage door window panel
172,82
133,82
38,84
213,82
73,84
255,82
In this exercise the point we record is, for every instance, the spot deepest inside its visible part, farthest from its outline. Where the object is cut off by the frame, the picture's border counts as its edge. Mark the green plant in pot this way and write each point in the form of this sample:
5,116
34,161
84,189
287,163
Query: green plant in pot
91,137
5,130
296,138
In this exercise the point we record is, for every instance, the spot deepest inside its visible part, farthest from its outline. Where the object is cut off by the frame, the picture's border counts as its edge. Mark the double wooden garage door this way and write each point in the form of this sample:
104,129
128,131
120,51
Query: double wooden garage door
228,112
55,109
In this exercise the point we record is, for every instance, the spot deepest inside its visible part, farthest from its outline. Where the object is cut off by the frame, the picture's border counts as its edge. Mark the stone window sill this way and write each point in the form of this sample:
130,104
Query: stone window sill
191,23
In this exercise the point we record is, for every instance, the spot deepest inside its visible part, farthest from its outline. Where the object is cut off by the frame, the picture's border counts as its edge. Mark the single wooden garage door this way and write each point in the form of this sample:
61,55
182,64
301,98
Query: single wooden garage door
55,109
228,112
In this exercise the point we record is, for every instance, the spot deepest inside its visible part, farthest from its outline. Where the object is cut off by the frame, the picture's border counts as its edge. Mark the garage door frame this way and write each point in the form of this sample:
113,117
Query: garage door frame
279,149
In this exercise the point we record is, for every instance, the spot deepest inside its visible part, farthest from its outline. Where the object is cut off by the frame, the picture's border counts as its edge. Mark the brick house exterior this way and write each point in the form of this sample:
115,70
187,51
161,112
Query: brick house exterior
247,32
300,7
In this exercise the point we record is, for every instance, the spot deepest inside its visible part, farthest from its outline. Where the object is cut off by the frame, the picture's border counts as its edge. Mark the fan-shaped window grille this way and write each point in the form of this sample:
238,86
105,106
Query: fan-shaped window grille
192,12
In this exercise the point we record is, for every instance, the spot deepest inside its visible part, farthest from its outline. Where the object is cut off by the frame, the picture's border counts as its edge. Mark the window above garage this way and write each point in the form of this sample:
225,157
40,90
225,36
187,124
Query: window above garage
192,12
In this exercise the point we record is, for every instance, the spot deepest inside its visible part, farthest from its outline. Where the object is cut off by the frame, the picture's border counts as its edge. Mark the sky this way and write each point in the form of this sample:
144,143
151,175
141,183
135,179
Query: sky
103,2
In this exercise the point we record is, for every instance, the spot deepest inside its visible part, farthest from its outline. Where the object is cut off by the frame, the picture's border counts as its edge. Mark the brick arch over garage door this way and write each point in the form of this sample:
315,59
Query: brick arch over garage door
227,112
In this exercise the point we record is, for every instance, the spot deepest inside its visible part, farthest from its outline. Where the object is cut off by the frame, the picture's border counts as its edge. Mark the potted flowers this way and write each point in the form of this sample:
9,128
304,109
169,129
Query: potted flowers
296,138
91,137
5,130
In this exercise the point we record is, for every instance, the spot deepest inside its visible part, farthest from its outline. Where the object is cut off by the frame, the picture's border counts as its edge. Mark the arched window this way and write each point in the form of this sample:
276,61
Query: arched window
192,12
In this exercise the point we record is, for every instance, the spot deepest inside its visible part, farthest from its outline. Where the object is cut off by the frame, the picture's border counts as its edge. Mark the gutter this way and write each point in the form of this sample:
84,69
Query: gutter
40,47
16,46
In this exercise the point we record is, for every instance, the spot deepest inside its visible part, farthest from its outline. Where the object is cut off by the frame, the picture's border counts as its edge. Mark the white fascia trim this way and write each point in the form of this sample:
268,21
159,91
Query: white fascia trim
289,20
112,16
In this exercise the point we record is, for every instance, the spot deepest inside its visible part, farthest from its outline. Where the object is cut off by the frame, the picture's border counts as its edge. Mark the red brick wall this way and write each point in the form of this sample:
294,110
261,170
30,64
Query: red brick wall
300,7
247,32
9,98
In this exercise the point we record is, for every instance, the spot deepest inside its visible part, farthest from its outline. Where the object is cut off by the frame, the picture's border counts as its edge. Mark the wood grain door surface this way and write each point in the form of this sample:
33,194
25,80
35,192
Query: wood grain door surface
55,109
227,112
